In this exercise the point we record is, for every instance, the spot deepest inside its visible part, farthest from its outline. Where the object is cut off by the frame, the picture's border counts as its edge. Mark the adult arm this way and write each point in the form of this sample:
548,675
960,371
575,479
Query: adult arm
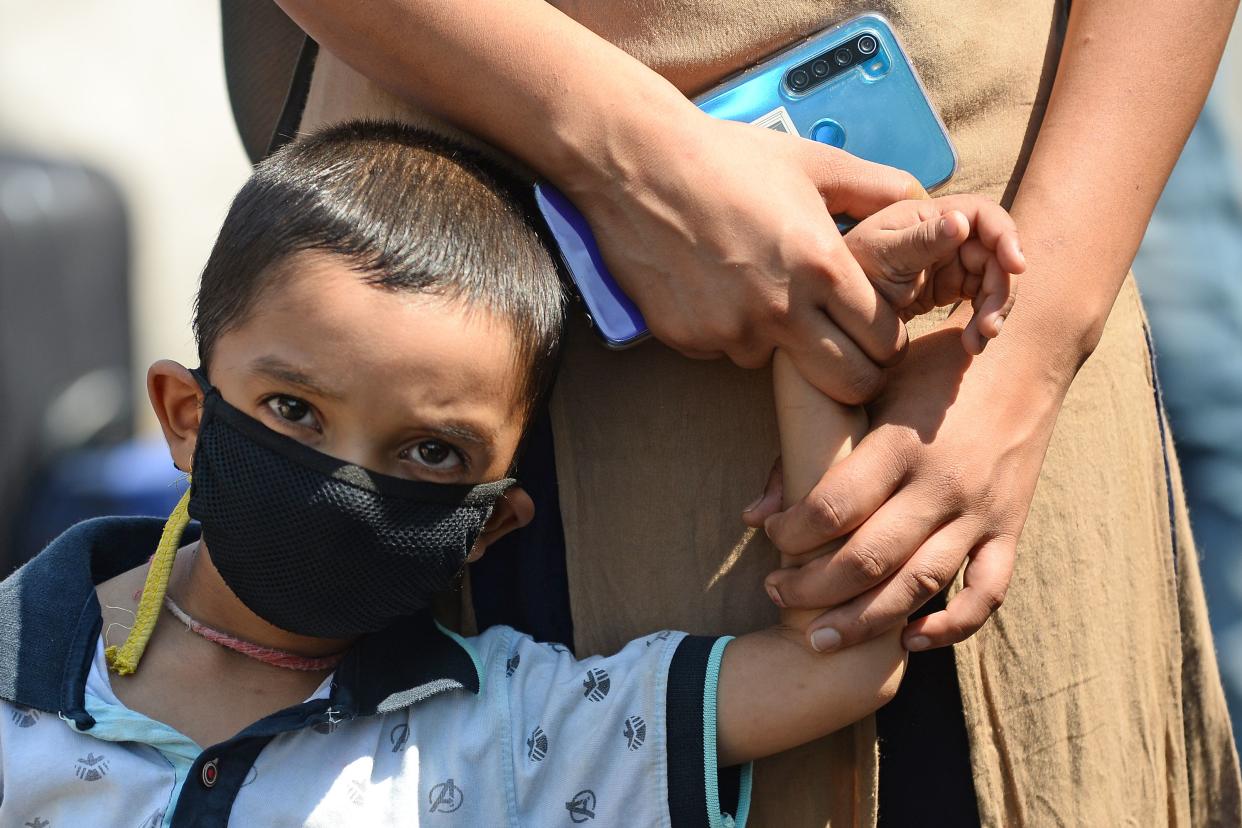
720,231
950,466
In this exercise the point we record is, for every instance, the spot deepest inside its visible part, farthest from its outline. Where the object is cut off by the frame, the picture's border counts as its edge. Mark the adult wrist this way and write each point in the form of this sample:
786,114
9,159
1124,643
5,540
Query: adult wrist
637,119
1032,361
1071,282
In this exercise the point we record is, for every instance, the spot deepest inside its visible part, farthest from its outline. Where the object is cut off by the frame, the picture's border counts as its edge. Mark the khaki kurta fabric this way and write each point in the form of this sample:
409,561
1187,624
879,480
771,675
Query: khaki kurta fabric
1092,697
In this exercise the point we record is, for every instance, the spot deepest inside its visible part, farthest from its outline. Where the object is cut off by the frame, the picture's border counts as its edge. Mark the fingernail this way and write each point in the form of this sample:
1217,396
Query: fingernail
775,596
754,503
825,640
918,642
768,523
943,227
1000,321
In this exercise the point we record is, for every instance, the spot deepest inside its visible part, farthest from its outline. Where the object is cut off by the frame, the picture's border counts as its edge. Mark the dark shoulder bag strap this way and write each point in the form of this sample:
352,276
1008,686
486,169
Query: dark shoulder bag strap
295,101
268,63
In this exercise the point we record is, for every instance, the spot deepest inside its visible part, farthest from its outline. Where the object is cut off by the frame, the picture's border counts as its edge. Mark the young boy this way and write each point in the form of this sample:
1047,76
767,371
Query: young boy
375,324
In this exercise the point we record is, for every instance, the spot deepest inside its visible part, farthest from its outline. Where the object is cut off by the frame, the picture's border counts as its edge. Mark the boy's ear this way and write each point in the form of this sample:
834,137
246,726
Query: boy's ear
513,510
178,404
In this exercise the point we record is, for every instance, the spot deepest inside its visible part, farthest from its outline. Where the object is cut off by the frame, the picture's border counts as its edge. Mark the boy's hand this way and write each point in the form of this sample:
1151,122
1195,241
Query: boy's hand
928,253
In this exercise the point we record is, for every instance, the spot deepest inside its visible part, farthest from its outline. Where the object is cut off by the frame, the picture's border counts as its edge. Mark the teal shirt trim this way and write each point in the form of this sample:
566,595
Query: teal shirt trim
470,651
715,817
116,723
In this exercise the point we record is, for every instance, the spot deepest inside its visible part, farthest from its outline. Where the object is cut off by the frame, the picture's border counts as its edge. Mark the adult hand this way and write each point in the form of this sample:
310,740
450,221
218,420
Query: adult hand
926,253
946,473
723,235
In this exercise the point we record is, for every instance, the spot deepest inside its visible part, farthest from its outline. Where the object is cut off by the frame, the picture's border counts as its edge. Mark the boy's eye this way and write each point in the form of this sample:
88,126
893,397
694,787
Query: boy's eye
292,410
436,454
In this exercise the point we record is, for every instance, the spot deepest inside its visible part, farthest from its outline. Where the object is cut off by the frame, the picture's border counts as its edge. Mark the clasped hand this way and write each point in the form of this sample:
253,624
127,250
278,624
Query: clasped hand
723,235
942,475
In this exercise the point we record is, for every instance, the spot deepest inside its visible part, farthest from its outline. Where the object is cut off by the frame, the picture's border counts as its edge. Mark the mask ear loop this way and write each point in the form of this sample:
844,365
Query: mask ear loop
124,660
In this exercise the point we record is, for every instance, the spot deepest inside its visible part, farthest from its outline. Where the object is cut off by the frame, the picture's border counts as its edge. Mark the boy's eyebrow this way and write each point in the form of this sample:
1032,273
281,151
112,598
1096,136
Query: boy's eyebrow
278,368
463,431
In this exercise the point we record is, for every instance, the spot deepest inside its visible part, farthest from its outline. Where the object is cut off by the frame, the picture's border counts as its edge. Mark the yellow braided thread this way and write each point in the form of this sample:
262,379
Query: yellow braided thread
124,661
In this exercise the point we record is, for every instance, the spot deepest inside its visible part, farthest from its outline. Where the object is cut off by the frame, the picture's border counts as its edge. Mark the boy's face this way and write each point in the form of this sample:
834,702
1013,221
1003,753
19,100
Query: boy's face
400,383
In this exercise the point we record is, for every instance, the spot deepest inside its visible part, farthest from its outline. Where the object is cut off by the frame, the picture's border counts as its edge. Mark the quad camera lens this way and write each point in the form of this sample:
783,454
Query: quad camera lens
832,63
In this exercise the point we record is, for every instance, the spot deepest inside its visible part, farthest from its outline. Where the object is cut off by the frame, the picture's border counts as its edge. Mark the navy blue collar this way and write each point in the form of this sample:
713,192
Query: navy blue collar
50,622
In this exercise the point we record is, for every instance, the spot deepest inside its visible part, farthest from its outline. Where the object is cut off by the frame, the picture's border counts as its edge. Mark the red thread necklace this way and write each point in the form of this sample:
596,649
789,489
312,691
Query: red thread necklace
268,655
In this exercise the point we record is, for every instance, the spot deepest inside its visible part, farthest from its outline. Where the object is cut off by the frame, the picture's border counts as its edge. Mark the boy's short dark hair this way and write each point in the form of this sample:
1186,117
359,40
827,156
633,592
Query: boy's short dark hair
409,210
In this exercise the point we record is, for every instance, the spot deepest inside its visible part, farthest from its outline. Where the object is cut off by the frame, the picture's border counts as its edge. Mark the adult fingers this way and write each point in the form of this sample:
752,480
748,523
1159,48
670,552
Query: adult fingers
769,502
948,286
879,548
910,250
930,570
856,187
1009,253
991,224
990,307
972,260
839,287
974,256
986,583
996,298
845,496
926,298
853,186
829,359
973,280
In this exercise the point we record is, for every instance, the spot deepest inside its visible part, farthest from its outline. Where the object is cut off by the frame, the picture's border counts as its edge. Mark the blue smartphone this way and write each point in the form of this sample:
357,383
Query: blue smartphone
851,86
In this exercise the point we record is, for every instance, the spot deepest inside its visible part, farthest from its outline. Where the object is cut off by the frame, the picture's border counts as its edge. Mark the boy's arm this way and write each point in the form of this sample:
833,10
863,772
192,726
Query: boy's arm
774,692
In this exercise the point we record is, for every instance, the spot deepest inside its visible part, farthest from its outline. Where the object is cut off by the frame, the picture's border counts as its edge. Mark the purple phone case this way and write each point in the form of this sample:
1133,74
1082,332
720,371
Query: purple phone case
616,318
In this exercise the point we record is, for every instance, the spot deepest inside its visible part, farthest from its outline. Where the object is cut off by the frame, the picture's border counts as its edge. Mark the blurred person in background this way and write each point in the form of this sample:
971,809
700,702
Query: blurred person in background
1190,272
103,229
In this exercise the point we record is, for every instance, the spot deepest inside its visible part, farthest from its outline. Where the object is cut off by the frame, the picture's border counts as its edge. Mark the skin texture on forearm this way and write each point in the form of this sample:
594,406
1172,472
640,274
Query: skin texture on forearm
519,73
775,692
1115,124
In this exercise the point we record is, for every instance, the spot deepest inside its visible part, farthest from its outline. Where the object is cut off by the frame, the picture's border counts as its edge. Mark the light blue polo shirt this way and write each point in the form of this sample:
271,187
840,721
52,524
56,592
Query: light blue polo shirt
417,726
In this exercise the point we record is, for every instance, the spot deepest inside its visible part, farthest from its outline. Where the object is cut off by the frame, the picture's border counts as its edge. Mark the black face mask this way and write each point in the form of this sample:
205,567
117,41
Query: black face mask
321,547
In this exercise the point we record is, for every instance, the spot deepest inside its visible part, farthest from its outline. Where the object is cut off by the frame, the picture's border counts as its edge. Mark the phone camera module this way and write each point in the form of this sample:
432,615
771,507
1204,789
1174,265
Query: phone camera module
820,68
867,45
799,80
842,56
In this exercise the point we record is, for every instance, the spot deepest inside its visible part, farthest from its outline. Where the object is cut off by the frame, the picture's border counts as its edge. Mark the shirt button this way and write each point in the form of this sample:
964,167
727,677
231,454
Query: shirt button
210,773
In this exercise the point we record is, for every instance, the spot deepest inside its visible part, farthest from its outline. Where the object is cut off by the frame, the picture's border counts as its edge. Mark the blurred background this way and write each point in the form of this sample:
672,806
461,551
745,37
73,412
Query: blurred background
118,157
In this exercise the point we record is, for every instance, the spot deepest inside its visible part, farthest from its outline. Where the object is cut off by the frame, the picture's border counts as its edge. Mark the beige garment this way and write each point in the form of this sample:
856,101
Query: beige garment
1092,697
